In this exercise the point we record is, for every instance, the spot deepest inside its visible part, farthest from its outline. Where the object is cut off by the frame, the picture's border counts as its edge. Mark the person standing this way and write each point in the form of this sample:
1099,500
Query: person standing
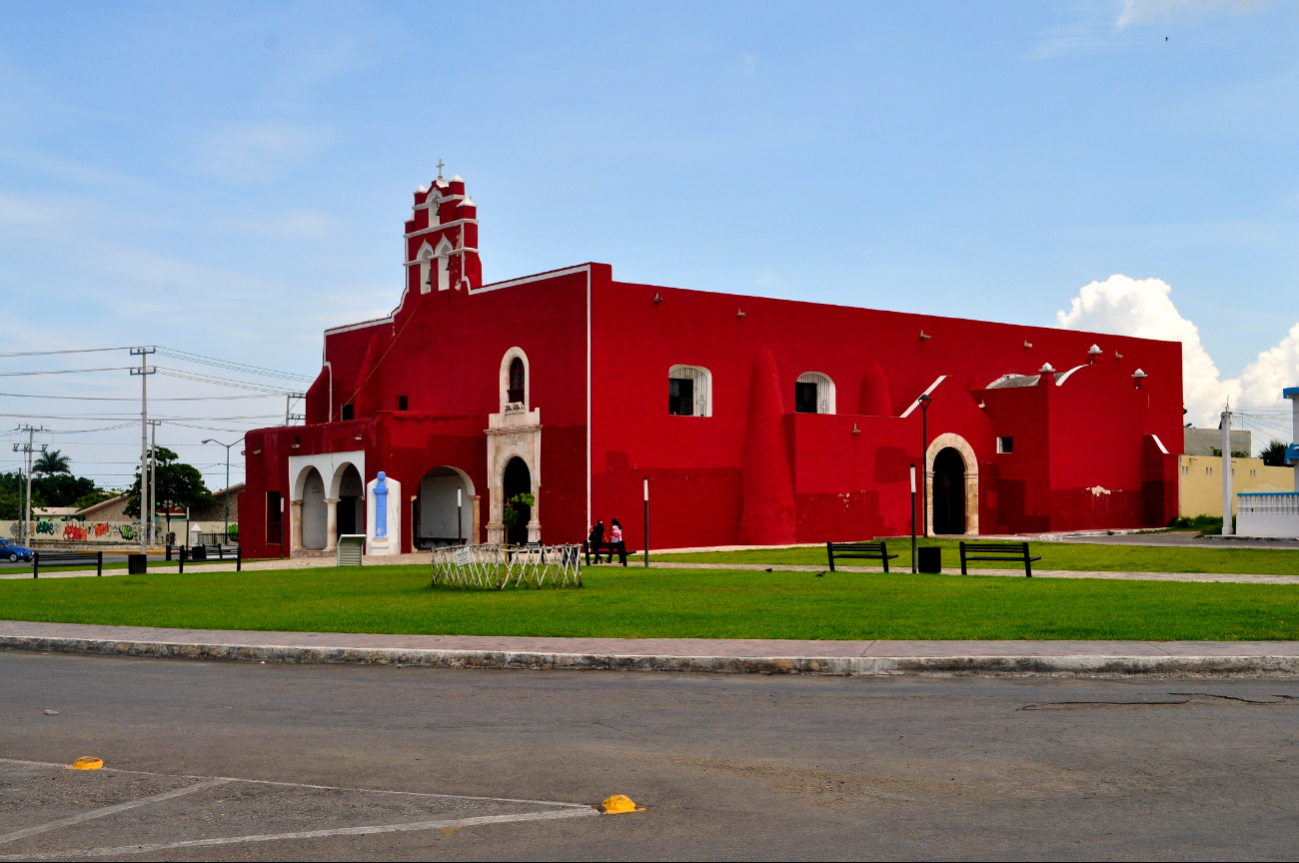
595,540
616,542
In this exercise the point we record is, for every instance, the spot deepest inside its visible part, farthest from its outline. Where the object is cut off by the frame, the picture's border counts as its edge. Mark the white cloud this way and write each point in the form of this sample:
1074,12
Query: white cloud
259,152
1144,308
1148,11
1276,368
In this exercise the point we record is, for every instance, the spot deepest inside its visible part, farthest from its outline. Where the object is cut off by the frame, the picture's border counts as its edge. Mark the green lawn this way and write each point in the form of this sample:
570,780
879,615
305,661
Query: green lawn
1055,555
671,603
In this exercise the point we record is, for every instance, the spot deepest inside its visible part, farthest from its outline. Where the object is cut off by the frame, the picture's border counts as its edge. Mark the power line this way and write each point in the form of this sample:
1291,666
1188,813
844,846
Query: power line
132,399
63,372
231,365
54,353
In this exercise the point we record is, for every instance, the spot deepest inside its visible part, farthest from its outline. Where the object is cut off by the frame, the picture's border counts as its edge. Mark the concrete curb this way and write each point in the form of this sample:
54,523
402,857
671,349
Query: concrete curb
842,666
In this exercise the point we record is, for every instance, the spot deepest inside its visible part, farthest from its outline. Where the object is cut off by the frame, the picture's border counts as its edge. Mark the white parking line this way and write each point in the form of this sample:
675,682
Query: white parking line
565,810
307,785
310,834
108,810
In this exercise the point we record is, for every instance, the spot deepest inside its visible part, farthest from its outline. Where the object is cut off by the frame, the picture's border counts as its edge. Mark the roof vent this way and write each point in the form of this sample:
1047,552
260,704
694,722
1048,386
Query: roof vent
1046,369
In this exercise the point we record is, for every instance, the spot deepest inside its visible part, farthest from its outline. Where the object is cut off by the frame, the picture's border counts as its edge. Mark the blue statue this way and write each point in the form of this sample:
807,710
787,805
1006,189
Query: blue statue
381,507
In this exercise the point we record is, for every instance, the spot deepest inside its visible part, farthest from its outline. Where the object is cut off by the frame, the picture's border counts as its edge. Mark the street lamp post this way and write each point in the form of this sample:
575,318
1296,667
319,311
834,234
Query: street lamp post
924,459
226,536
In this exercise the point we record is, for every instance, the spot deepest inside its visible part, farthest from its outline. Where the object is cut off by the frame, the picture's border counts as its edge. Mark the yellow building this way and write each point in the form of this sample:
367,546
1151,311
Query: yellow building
1199,490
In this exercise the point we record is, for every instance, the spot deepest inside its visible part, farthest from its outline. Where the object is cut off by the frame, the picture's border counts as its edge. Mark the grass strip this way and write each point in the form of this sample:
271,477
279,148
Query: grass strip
671,604
1055,555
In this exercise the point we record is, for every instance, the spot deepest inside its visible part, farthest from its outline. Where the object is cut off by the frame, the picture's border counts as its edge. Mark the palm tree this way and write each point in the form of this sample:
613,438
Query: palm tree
1275,454
52,462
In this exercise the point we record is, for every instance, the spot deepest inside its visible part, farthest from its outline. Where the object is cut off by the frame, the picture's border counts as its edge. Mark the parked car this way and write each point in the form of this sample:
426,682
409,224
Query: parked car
13,552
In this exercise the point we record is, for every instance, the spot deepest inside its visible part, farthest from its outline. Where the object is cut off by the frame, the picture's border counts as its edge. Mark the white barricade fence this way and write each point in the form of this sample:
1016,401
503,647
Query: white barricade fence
1267,514
491,567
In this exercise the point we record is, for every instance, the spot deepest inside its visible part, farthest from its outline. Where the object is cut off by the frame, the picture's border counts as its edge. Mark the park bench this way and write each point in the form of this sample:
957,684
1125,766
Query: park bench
606,548
1015,552
65,558
859,551
209,553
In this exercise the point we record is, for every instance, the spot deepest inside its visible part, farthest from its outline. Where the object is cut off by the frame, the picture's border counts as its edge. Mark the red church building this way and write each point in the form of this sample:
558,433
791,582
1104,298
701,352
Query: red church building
753,421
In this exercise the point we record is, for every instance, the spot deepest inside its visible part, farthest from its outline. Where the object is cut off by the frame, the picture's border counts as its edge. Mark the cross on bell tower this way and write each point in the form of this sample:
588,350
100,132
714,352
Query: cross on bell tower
440,166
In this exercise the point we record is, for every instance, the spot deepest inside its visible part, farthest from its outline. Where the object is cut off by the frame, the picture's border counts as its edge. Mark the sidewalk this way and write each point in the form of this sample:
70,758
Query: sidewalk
423,558
843,658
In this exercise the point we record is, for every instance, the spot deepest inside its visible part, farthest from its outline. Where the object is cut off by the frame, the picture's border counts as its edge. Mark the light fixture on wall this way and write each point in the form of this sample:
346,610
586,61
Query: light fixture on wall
294,445
739,313
1137,377
1118,356
855,430
657,298
925,335
358,437
1027,344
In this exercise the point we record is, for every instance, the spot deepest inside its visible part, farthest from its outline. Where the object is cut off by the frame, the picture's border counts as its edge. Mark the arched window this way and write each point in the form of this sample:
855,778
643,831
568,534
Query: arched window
814,394
690,391
515,391
515,386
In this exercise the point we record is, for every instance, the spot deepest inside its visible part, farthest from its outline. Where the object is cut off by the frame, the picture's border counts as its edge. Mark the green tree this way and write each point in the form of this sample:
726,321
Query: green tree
60,489
94,497
179,484
1275,454
53,461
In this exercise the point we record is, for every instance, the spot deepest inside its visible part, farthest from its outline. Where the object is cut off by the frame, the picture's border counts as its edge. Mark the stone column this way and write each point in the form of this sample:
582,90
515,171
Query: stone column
534,523
477,504
331,525
295,526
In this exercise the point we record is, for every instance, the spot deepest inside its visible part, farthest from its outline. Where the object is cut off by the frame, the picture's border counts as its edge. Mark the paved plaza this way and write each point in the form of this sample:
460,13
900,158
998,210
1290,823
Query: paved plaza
208,761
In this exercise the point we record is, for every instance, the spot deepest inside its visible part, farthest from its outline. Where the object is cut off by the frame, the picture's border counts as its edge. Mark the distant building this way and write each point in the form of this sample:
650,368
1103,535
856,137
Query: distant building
1200,486
1205,441
753,420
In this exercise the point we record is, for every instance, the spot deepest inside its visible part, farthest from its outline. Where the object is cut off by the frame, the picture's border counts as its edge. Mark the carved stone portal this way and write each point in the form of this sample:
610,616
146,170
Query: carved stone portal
515,432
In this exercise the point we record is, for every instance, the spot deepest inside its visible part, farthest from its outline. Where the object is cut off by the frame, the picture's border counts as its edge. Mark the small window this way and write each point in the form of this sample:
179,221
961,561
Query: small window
403,403
814,394
1005,444
515,392
681,397
689,392
805,398
274,518
347,412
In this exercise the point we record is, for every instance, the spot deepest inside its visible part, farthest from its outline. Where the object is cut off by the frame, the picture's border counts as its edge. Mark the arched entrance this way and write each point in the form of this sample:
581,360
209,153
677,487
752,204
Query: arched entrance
517,480
436,512
949,492
314,510
351,516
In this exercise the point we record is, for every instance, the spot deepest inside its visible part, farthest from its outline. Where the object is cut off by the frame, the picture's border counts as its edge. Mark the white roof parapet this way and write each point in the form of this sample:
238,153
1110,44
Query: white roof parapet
915,404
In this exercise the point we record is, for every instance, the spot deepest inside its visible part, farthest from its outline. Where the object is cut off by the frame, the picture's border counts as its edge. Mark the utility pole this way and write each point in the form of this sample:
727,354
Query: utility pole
289,416
144,371
27,449
153,480
1227,527
225,538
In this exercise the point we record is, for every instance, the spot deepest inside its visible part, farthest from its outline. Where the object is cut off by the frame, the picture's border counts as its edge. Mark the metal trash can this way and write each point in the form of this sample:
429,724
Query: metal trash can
350,548
930,558
137,564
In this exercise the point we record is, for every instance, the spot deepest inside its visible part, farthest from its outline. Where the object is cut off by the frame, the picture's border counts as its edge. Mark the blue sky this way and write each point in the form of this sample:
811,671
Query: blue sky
231,179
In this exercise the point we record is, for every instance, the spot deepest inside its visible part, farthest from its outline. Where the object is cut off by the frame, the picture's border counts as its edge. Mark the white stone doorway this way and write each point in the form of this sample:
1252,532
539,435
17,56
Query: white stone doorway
952,482
314,511
438,521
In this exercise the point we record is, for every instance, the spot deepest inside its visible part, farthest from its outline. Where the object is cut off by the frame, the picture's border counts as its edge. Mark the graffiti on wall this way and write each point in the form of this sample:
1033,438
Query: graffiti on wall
69,530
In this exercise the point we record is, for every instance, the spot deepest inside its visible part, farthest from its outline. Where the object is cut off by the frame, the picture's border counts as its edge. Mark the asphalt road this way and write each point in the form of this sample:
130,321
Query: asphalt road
728,767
